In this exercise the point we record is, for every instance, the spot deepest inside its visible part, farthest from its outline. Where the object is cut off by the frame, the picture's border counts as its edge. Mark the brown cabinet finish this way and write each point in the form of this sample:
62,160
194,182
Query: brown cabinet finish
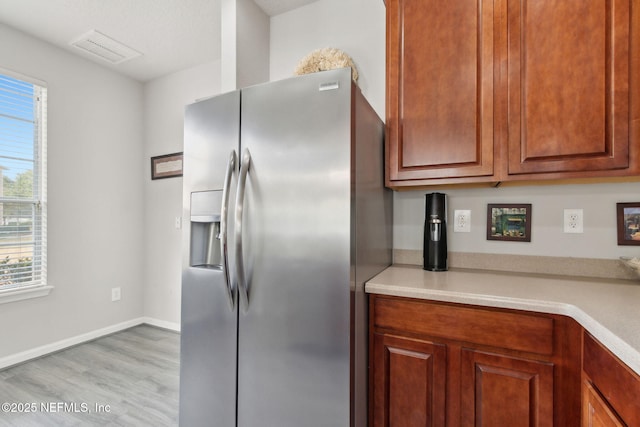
516,331
493,356
568,85
618,388
409,382
492,91
505,391
439,89
595,410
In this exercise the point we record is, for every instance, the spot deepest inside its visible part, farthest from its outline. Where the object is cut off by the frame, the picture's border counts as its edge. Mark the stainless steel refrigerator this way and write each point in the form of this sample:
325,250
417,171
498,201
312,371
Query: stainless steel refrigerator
286,217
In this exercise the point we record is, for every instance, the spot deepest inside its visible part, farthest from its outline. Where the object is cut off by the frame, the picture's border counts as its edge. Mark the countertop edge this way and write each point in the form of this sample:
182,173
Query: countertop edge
617,345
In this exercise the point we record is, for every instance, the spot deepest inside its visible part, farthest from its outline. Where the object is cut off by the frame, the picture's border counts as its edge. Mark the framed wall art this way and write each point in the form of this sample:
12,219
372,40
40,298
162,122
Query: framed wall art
509,222
166,166
628,223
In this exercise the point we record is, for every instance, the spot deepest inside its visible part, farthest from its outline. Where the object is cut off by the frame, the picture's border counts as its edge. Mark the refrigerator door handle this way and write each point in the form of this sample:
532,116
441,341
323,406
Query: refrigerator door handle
242,180
231,165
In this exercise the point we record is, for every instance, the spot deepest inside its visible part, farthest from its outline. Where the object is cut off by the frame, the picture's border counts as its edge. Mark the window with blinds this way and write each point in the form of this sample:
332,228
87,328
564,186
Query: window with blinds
23,205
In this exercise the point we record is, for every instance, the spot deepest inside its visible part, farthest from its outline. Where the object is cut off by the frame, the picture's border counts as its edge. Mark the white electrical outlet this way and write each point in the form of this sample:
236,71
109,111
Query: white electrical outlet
178,223
115,294
462,221
573,221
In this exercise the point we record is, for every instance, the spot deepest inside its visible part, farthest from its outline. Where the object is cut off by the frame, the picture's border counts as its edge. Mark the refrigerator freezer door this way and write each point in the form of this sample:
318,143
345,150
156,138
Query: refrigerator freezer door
208,351
211,131
209,321
294,335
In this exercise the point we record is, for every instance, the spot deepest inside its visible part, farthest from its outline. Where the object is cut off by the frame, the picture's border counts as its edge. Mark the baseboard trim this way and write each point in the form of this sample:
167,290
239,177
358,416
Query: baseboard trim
172,326
43,350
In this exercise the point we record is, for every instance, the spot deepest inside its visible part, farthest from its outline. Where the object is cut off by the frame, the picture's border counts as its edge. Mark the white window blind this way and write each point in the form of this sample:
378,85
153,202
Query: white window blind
23,260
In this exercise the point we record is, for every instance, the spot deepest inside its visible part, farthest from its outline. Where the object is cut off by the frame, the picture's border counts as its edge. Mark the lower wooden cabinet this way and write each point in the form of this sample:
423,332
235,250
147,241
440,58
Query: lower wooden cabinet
610,390
498,390
410,386
409,382
440,364
596,412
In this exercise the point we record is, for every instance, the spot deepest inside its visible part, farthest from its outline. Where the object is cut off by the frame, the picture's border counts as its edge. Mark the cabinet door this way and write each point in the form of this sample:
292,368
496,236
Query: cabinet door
568,85
595,411
440,78
408,382
612,379
505,391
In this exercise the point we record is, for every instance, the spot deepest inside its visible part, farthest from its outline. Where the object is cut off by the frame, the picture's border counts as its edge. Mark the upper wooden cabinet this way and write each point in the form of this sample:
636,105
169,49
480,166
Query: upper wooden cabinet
489,91
568,85
440,84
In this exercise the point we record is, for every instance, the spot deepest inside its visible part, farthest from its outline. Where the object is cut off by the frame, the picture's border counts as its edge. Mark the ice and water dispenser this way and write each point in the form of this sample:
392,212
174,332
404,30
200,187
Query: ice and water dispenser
206,208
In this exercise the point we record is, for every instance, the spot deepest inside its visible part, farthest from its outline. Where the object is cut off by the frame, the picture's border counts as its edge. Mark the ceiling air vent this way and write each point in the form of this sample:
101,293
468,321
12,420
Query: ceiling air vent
104,47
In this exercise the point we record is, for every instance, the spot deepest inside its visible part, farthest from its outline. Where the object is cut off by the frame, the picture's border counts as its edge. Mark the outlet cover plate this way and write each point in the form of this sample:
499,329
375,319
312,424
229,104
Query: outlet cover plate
573,221
461,221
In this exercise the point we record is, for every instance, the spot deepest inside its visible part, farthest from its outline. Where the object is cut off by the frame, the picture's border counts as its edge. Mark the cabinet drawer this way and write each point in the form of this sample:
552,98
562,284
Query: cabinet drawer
510,330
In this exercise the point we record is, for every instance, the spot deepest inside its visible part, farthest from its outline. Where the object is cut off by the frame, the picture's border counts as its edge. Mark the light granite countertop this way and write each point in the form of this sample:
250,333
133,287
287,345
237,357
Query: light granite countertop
608,309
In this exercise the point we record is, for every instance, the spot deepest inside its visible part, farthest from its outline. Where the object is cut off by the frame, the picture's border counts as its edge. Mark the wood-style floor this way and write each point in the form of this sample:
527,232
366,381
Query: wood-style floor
126,379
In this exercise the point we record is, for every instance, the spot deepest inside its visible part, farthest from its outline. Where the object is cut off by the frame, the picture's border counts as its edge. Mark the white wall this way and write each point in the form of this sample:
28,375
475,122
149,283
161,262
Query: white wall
598,201
252,49
355,26
358,28
95,189
245,45
164,102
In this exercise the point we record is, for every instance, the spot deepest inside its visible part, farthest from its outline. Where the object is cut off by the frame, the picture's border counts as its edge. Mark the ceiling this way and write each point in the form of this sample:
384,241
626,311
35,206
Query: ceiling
172,35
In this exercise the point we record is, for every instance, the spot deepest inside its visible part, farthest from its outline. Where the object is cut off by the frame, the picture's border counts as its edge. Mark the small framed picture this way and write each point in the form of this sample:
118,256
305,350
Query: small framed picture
628,223
167,166
510,222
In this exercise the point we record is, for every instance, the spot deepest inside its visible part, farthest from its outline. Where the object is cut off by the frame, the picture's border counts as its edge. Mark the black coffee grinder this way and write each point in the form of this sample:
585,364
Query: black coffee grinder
435,232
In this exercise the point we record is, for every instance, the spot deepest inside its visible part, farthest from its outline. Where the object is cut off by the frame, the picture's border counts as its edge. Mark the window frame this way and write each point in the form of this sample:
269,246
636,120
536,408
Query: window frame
42,287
